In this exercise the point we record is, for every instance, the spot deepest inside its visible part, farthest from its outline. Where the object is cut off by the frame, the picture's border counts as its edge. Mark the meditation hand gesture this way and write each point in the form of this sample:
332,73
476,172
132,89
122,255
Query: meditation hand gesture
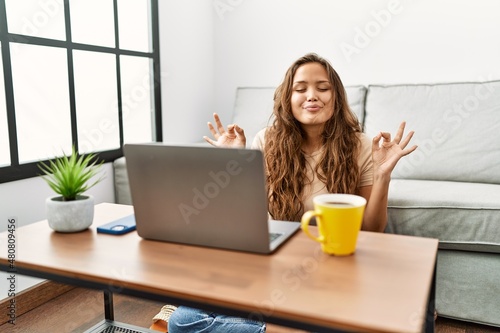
387,154
233,137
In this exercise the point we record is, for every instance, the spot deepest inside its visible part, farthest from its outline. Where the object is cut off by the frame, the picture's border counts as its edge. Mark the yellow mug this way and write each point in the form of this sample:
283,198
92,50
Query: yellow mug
339,218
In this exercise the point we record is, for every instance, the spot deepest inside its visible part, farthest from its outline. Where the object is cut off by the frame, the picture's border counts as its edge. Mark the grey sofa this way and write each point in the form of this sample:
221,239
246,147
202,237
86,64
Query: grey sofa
448,189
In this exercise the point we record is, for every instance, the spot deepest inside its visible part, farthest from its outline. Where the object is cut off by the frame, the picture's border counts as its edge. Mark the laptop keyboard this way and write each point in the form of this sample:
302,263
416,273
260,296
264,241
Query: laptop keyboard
273,236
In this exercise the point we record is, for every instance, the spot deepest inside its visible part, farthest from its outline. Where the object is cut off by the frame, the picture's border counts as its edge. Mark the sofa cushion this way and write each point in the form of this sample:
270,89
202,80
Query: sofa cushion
455,128
463,216
253,107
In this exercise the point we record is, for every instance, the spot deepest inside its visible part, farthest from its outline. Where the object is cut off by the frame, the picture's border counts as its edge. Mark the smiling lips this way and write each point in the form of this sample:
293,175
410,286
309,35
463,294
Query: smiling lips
312,107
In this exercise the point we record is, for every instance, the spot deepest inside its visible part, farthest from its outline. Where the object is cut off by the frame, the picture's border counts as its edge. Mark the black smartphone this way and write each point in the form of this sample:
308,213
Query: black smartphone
118,227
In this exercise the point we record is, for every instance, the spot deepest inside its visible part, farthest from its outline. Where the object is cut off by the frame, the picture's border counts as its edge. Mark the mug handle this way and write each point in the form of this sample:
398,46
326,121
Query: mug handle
304,224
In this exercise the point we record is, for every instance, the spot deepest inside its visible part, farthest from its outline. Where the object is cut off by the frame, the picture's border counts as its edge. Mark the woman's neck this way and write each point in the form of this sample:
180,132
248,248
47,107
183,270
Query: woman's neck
312,141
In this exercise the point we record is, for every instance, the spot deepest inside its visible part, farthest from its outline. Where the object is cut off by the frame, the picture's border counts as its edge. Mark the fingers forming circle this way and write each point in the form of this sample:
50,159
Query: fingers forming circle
386,136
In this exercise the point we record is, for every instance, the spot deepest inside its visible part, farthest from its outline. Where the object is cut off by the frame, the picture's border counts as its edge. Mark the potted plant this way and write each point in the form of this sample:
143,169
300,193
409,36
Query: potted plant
69,177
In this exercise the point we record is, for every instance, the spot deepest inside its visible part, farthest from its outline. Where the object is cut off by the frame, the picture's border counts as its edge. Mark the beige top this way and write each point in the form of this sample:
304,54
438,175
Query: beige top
317,187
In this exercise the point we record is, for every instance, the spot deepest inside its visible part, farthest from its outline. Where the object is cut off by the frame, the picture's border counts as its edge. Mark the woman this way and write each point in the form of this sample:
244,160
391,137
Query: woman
314,146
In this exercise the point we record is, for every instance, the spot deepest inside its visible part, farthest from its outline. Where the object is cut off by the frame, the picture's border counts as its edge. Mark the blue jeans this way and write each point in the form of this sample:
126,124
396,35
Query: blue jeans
189,320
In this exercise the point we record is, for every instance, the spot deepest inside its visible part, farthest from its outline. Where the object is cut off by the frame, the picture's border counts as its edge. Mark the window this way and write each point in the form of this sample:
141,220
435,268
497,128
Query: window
82,72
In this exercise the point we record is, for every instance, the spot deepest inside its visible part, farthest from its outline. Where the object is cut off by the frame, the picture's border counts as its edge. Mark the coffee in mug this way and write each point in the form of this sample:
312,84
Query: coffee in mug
339,218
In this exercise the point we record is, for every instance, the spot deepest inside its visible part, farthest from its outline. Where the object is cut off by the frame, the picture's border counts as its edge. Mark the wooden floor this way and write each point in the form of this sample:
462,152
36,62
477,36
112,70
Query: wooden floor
79,309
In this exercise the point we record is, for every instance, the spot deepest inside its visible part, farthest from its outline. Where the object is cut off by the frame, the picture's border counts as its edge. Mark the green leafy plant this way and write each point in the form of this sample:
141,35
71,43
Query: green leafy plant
69,176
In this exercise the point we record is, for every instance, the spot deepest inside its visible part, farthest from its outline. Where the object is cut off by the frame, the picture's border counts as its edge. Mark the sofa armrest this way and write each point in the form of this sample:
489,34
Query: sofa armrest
122,189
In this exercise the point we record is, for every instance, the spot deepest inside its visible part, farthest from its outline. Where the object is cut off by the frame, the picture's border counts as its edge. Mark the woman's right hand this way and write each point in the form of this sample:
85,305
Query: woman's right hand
233,137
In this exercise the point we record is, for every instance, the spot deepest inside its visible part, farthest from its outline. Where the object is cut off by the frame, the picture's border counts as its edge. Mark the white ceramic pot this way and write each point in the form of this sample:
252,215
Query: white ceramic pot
70,216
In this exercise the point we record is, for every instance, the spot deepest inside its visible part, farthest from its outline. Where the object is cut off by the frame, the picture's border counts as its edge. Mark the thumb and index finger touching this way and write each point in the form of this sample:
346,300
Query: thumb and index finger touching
398,139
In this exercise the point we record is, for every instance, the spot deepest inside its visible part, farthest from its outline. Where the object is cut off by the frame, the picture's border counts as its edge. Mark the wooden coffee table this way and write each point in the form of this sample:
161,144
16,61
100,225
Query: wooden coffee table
386,286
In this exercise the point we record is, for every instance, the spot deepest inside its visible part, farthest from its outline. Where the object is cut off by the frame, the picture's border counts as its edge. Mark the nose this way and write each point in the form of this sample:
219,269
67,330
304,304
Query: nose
311,95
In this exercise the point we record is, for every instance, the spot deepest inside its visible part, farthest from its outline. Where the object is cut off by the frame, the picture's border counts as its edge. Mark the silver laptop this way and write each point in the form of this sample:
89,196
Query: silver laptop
205,196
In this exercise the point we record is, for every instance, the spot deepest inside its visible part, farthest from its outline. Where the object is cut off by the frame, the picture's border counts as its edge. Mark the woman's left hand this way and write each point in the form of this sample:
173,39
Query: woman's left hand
387,153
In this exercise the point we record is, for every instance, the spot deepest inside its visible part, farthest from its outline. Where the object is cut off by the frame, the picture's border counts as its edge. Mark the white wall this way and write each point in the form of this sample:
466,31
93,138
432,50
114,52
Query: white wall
367,41
187,66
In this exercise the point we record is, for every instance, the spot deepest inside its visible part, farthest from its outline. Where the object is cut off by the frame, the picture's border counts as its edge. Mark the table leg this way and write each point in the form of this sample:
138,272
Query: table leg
108,305
429,318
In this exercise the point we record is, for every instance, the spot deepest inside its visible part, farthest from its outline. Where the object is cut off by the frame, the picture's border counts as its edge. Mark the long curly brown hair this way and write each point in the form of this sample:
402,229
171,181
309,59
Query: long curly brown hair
285,161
